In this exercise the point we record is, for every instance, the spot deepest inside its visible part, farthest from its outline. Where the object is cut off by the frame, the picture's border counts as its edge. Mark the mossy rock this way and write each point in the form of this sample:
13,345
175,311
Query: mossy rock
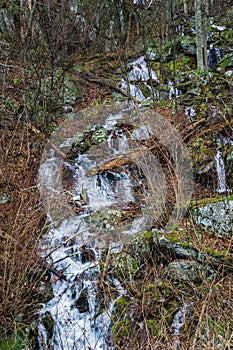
144,89
104,218
99,136
48,323
214,333
78,138
140,248
154,327
124,265
216,217
82,301
185,271
203,151
181,64
71,91
122,305
163,70
121,329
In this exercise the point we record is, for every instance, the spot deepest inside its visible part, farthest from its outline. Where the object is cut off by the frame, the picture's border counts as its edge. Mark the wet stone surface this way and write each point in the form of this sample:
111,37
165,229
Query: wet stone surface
185,270
82,302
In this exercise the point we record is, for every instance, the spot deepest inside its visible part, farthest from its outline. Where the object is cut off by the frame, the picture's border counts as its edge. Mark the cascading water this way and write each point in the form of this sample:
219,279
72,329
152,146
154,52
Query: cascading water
173,92
220,168
214,55
141,80
220,164
78,319
179,321
140,72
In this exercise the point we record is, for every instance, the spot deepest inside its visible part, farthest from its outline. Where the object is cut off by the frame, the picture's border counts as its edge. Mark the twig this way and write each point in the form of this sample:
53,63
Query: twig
101,81
38,132
13,66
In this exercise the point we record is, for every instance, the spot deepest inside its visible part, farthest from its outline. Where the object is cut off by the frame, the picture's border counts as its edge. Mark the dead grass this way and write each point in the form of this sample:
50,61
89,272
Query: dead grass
22,220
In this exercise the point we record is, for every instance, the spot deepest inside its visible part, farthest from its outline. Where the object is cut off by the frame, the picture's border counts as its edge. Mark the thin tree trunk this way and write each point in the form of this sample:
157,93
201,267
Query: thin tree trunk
201,36
22,19
185,7
30,5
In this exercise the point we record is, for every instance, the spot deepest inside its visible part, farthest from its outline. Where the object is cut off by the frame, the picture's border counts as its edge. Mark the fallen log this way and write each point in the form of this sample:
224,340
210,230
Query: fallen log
119,161
109,165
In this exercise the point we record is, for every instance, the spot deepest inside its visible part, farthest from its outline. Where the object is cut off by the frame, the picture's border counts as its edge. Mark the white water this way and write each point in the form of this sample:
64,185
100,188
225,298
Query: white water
140,72
141,77
173,92
220,165
179,321
214,55
87,328
220,168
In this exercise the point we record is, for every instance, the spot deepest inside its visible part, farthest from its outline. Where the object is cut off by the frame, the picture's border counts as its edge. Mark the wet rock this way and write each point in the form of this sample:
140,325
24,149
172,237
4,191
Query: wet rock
178,249
142,132
45,291
216,217
87,254
184,271
71,90
105,218
82,301
188,46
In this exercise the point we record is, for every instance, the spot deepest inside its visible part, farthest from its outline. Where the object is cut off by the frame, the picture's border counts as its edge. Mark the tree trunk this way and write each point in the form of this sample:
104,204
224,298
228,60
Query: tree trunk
201,35
185,7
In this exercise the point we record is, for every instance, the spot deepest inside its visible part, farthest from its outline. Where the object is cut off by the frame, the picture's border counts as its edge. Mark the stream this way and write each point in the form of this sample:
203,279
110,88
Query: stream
220,164
78,321
74,247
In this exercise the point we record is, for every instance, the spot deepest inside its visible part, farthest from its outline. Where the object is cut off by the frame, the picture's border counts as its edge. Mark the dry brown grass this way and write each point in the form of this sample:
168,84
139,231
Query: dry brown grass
22,222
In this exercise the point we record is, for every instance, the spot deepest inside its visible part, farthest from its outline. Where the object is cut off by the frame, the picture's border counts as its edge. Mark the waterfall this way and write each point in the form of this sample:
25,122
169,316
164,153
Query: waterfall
179,321
173,92
214,55
220,164
139,79
220,168
80,322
